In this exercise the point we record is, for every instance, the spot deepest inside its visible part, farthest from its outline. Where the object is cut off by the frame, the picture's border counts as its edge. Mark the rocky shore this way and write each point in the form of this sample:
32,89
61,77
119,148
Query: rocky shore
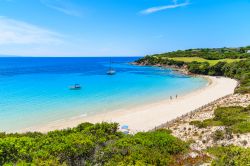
183,69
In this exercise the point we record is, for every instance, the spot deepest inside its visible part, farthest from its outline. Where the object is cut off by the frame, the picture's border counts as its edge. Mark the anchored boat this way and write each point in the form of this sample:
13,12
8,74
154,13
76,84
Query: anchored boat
110,71
75,87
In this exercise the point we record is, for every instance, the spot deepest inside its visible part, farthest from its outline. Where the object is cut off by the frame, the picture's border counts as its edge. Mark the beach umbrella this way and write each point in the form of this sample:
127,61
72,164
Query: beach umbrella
124,127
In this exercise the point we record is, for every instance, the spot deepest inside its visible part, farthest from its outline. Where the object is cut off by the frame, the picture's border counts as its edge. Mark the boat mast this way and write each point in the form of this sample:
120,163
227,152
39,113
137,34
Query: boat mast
109,63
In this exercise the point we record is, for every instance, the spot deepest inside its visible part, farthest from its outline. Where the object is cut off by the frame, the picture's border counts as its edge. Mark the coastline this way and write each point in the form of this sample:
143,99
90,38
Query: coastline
182,70
148,116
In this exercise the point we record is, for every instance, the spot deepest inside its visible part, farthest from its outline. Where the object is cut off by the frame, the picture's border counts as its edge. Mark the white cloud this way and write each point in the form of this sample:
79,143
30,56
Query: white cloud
18,32
161,8
66,7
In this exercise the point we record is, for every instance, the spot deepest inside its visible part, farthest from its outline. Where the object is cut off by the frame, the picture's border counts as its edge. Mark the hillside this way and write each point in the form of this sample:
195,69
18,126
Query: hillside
228,62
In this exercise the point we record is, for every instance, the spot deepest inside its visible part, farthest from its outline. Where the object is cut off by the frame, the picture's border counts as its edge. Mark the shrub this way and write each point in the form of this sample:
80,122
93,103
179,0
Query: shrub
218,135
242,127
229,115
230,156
198,124
88,144
131,149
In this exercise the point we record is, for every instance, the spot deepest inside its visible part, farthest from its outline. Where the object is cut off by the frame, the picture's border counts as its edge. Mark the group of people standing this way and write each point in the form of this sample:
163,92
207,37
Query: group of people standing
176,96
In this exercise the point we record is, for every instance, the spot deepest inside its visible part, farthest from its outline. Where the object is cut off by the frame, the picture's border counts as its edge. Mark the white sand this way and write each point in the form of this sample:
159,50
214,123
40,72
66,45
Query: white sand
148,116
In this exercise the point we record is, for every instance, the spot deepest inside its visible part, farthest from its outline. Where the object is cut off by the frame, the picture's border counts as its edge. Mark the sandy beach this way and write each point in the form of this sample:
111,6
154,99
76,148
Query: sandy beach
148,116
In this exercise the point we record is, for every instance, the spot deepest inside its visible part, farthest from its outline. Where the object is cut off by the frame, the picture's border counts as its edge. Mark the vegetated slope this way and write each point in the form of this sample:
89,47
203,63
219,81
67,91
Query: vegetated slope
233,63
88,144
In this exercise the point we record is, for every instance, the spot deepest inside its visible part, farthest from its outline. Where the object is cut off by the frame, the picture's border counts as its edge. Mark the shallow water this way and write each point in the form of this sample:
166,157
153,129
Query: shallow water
35,91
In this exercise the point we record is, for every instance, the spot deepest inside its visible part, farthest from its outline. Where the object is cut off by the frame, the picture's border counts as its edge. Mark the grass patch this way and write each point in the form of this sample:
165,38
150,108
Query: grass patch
205,123
198,59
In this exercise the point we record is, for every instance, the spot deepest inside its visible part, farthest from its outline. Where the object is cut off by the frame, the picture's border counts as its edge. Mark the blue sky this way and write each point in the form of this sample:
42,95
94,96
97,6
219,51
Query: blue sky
120,27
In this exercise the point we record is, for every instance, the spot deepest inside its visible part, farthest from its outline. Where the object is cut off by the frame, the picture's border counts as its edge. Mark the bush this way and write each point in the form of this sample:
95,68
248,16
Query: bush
229,115
198,124
242,127
71,146
230,156
88,144
205,123
218,135
132,150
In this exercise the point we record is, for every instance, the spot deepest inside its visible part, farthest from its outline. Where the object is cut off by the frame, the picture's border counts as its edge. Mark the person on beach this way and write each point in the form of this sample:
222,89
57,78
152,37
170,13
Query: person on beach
176,96
170,97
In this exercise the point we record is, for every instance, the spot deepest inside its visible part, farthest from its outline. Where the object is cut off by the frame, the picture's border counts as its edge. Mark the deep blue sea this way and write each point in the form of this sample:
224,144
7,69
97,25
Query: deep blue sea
35,91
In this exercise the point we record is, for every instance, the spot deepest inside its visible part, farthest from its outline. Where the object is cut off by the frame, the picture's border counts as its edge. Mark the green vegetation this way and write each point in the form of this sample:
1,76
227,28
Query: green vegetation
218,135
138,149
236,119
89,144
210,54
229,62
205,123
230,156
201,60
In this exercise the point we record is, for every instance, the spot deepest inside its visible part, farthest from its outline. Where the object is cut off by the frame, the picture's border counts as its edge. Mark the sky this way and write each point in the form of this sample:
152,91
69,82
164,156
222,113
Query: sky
120,27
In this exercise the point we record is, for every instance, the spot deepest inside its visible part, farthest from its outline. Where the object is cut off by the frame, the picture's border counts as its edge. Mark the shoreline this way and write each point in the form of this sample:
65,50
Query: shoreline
148,116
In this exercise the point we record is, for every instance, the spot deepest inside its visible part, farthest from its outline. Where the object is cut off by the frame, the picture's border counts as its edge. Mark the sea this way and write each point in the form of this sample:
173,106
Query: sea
35,91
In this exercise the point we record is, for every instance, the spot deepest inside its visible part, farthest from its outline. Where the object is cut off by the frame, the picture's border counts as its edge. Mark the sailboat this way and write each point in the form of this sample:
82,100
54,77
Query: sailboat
110,71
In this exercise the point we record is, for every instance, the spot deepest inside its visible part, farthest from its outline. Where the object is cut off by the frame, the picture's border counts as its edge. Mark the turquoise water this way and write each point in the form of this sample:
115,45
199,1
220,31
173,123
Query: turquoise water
34,91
